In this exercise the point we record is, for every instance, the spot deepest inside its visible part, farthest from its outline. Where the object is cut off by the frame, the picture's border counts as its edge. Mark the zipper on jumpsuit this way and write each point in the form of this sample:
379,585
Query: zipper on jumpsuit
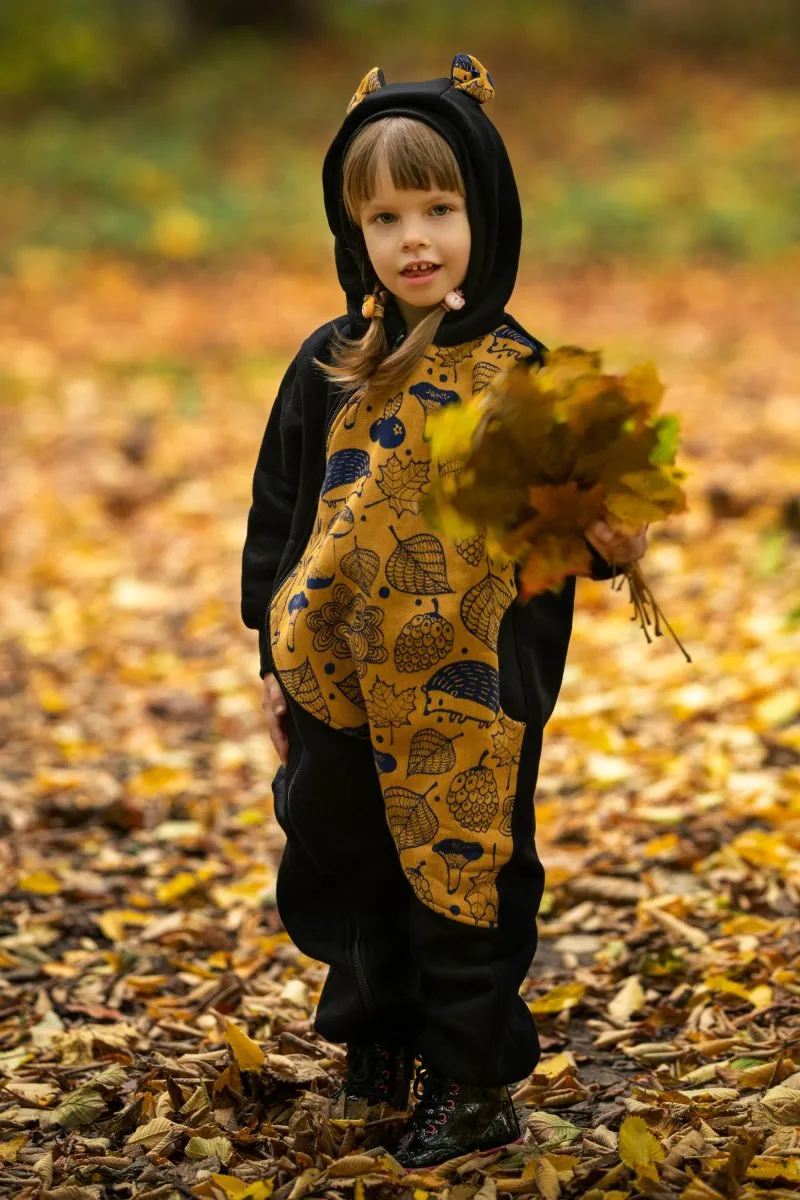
367,999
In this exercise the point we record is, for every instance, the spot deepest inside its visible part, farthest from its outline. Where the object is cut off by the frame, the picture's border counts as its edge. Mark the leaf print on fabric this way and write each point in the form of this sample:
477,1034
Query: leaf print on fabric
450,466
361,566
449,357
351,688
411,819
507,743
456,854
473,798
423,641
481,897
431,753
419,883
402,484
471,548
418,565
349,627
388,707
483,375
301,684
483,606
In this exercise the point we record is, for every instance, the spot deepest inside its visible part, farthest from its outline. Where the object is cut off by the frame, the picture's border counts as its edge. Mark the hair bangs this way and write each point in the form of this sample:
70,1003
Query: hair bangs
415,154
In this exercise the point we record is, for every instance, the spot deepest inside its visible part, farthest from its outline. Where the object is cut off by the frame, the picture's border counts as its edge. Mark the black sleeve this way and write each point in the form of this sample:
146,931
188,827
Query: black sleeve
275,487
601,568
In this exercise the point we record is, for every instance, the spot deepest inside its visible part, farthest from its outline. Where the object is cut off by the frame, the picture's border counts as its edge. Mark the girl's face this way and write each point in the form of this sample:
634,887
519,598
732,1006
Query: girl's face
401,227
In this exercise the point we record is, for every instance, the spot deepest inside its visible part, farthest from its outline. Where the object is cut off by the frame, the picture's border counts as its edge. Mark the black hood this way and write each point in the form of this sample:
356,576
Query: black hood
492,204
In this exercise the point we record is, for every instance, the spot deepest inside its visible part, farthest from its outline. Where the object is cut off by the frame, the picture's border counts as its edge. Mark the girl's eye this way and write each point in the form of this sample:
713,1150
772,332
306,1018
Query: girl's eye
378,218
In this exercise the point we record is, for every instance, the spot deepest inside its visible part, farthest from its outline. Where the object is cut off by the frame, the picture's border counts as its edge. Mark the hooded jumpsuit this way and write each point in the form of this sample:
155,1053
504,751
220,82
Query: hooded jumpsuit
417,689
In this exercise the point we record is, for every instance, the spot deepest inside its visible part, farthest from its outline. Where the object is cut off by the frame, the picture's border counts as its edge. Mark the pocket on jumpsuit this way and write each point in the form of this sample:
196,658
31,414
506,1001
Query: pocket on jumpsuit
279,789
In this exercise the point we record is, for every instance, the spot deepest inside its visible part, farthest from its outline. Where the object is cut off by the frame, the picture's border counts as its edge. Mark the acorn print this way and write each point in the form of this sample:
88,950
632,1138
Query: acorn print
472,548
473,798
419,883
423,641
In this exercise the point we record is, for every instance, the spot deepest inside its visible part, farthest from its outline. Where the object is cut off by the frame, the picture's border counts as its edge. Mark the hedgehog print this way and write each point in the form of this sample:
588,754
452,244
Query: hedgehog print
346,473
506,333
465,691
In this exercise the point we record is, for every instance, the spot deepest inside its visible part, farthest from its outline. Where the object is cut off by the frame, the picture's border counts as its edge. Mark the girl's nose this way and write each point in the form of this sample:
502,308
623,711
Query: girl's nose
414,238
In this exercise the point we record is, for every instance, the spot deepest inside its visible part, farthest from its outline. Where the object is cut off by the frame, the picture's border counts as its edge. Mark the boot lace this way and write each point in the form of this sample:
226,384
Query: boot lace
368,1070
436,1098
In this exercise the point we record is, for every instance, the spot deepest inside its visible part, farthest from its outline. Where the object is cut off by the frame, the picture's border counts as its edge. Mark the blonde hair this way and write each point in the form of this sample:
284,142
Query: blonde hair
416,157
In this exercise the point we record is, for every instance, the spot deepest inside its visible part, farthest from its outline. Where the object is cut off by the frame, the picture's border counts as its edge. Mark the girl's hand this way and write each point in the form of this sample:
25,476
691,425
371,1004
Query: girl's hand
274,706
618,547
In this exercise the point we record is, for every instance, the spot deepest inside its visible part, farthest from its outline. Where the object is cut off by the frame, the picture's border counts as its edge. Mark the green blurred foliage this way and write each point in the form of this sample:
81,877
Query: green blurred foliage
155,130
63,49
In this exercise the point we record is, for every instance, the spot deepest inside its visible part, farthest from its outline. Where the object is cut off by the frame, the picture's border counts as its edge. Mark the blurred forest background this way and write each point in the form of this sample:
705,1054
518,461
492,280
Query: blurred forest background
163,253
194,129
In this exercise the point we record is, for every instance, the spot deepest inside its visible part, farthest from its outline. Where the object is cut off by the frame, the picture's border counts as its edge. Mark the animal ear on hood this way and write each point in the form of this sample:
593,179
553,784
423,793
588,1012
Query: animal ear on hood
470,76
373,81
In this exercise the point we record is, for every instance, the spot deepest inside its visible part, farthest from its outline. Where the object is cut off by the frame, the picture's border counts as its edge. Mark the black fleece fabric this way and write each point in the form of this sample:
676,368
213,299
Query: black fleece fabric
291,464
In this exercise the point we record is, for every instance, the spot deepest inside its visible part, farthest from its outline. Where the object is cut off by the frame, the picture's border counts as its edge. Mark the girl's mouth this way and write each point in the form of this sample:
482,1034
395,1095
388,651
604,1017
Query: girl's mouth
417,277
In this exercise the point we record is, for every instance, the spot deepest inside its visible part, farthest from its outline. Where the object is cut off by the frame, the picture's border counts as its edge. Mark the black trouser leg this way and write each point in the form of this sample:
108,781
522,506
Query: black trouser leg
477,1028
398,968
341,892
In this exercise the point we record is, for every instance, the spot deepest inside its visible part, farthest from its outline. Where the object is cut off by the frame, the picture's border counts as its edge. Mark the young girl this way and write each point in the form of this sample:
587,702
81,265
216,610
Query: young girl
406,691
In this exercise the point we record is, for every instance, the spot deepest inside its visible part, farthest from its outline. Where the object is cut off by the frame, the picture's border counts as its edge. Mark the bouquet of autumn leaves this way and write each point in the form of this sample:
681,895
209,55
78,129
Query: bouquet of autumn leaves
545,451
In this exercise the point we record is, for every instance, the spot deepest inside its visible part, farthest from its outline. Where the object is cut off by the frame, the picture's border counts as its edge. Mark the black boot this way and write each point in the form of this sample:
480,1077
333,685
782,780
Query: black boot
378,1081
454,1118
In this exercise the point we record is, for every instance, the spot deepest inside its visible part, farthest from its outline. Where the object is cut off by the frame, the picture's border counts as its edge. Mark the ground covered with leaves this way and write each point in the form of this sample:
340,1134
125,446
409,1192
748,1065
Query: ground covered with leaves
155,1022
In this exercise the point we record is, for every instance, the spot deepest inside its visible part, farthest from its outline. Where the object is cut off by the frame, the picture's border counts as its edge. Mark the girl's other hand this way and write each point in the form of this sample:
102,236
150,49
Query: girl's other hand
274,705
619,547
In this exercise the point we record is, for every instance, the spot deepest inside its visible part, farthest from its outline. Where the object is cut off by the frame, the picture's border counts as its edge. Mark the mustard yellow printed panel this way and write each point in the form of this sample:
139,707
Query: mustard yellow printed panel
388,630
